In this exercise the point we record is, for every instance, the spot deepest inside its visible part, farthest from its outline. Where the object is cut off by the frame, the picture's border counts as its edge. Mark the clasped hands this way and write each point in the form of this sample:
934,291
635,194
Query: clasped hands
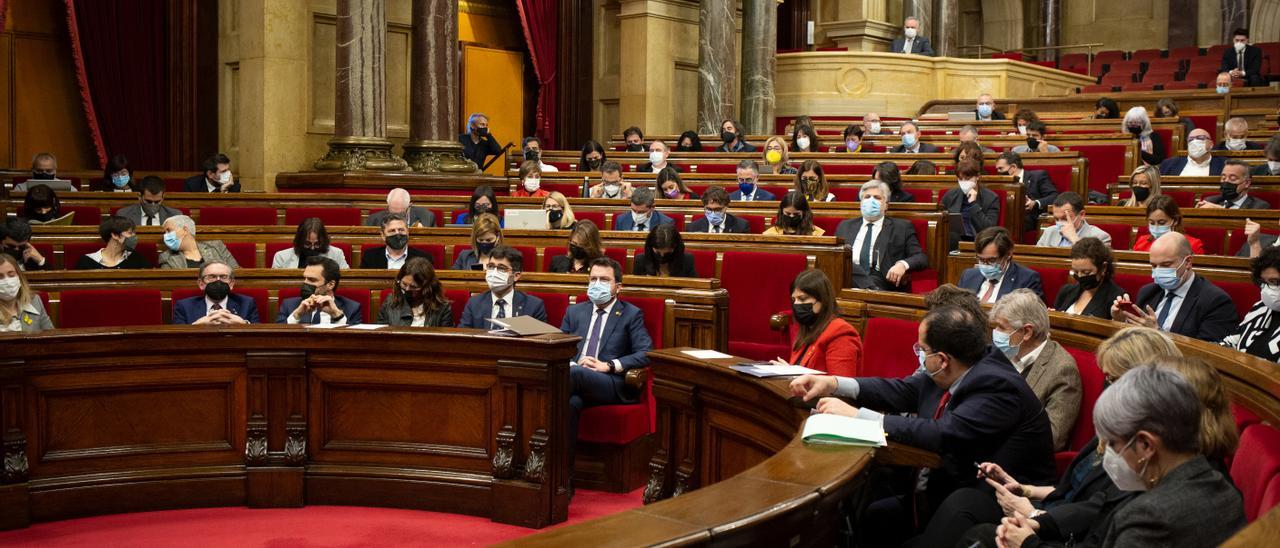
595,364
220,317
808,387
323,303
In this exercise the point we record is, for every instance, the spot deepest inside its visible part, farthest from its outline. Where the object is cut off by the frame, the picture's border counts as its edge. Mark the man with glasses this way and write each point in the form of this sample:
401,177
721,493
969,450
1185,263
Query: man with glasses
996,275
716,218
1199,161
748,184
502,300
218,305
1178,301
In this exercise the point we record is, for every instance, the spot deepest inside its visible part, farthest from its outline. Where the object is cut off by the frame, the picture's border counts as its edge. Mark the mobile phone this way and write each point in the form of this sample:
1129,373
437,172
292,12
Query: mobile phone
981,474
1131,308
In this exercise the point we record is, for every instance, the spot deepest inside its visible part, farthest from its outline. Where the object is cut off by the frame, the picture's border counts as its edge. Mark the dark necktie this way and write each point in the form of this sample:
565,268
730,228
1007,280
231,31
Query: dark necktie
864,256
640,227
502,308
716,229
151,221
1164,308
315,317
593,340
216,307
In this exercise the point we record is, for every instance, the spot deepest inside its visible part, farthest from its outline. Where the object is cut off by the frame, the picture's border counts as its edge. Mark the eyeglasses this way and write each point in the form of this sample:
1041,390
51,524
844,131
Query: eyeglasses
500,268
210,278
994,260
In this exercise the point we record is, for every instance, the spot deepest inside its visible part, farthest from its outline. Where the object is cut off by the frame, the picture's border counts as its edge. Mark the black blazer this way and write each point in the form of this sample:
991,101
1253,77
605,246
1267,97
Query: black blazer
563,264
1039,187
402,315
1207,314
897,242
1252,64
1098,307
1262,169
648,168
1157,154
1073,516
986,212
732,225
924,147
376,257
1248,145
196,183
919,47
134,260
1250,202
681,267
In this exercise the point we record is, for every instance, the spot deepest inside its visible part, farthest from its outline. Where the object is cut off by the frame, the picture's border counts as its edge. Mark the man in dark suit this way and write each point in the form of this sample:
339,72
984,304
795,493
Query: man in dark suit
15,241
1236,181
614,340
996,274
879,241
1039,190
217,177
969,404
1237,136
658,155
1272,165
911,41
400,203
1178,301
718,220
642,217
502,300
318,303
1199,160
218,305
477,143
150,209
749,184
1243,61
911,141
986,108
393,255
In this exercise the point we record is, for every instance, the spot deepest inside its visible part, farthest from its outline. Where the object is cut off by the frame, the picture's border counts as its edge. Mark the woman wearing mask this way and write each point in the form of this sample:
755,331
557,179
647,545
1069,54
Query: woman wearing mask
483,200
1163,216
592,157
559,212
889,174
584,246
1105,109
978,207
1138,124
794,217
1092,268
1259,332
417,300
20,308
485,234
1022,119
852,138
689,142
811,182
671,186
776,158
529,184
1144,184
804,139
664,255
117,176
822,340
41,205
119,242
310,239
185,251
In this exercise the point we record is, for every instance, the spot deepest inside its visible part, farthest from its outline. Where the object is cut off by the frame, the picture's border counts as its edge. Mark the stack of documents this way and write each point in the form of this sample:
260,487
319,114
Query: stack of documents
841,430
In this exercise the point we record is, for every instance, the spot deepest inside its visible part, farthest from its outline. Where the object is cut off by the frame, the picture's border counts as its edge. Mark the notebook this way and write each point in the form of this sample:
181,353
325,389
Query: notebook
840,430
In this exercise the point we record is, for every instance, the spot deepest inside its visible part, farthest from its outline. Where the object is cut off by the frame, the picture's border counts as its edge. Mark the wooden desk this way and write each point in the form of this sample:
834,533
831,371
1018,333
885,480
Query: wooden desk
99,421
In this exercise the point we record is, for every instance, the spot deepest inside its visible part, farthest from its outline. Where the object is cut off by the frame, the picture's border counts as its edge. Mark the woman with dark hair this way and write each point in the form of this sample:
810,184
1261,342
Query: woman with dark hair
119,241
1168,108
1092,268
1023,118
310,240
823,340
117,176
889,174
584,247
978,207
418,300
1105,109
852,138
672,187
812,183
41,205
804,139
483,200
529,181
968,149
1163,216
1259,332
922,167
592,156
664,255
689,142
794,217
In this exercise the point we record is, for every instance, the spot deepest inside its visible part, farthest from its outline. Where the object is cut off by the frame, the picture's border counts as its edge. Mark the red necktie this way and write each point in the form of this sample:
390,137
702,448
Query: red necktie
942,405
991,286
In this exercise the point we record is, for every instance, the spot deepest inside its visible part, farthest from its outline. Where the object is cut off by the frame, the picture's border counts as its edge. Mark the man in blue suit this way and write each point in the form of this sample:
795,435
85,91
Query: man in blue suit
502,300
614,340
218,305
642,217
996,274
911,41
1199,161
749,184
318,304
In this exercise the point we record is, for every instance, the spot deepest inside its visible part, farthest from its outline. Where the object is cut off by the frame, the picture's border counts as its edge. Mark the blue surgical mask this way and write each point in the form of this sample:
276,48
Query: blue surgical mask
120,181
600,293
921,356
1222,90
852,145
715,217
172,241
1167,276
908,140
1001,340
991,272
1157,230
746,188
871,209
984,111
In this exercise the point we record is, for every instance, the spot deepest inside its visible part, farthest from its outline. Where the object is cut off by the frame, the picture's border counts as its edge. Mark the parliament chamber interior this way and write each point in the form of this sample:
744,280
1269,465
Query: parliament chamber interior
640,272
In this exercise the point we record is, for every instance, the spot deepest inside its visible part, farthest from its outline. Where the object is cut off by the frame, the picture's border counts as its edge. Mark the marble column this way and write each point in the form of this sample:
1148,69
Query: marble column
360,119
433,146
1183,29
1051,11
759,64
1234,16
717,71
947,33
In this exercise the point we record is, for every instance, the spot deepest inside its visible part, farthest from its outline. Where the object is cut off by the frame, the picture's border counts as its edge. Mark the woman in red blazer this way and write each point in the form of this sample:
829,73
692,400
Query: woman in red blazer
823,340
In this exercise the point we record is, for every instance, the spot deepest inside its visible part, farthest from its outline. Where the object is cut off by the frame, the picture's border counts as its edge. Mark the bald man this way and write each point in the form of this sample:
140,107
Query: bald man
1198,162
399,203
1178,301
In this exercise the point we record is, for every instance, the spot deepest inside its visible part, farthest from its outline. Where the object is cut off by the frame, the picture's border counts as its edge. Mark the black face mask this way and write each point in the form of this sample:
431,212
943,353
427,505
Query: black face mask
1229,193
43,217
308,290
481,208
554,215
593,163
684,148
1087,282
482,132
577,252
15,252
665,258
1141,193
1033,144
217,291
791,221
531,156
803,313
636,147
43,176
397,241
728,136
307,252
485,247
1136,130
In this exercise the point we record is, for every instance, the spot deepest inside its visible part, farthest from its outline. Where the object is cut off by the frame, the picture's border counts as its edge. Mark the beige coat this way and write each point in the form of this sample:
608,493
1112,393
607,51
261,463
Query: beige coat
212,250
1056,382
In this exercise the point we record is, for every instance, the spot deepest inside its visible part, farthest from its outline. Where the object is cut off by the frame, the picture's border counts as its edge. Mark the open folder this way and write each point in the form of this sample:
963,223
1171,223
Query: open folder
841,430
523,326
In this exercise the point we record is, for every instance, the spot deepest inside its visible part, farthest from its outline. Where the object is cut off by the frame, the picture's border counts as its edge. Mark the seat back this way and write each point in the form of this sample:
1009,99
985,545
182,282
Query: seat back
556,305
72,251
254,216
245,253
654,310
758,285
704,261
332,216
1052,278
891,355
110,307
458,302
1255,465
1091,379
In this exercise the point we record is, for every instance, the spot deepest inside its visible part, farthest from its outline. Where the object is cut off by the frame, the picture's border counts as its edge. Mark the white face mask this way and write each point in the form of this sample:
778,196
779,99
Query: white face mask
225,177
875,127
1123,476
1236,144
9,288
497,279
911,33
655,157
532,184
966,185
1239,46
1197,148
1271,297
1022,130
803,143
639,218
1273,166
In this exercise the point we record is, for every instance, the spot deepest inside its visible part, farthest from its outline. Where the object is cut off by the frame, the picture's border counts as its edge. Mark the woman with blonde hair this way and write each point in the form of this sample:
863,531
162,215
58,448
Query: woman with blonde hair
1218,436
1144,184
20,308
559,212
1131,347
486,233
776,158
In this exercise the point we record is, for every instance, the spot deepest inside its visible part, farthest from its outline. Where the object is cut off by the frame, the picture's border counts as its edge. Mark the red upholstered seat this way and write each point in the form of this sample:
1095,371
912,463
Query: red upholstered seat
570,190
1213,237
71,252
1091,378
436,251
110,307
704,261
596,217
556,304
1145,55
621,424
457,301
1244,417
1119,234
332,216
828,224
548,253
846,193
245,253
891,355
1243,295
618,254
1184,198
252,216
1131,283
759,285
261,298
84,215
1106,163
1255,465
1186,52
1052,279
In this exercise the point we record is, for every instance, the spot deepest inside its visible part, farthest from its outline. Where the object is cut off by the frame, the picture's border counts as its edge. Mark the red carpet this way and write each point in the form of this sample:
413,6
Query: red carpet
313,526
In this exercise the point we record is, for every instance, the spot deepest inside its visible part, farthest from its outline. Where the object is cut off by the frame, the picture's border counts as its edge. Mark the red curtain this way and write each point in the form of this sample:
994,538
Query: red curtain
121,50
541,22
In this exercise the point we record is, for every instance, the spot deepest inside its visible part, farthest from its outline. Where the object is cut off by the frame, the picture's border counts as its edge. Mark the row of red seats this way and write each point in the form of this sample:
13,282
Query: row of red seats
1146,70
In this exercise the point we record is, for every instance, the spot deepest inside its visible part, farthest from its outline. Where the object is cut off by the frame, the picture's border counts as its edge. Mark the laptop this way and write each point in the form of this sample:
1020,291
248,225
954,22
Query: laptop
965,116
57,185
530,219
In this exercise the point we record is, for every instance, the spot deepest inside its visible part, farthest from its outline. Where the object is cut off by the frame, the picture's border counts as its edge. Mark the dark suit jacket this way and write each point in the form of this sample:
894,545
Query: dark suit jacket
920,46
1174,166
1262,169
680,267
1158,151
1248,145
761,195
376,257
563,264
1015,277
648,167
188,310
403,315
1207,314
1252,65
995,115
986,212
732,225
897,242
1174,512
1039,187
417,215
743,146
196,183
480,307
134,213
1074,515
624,337
350,309
1250,202
993,416
1099,306
924,147
479,152
623,221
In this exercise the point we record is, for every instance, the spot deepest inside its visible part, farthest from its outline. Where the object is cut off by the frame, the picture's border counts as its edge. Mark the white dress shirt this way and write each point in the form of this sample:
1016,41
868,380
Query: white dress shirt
1026,361
208,304
509,298
906,45
324,317
876,226
604,322
394,263
995,288
1195,169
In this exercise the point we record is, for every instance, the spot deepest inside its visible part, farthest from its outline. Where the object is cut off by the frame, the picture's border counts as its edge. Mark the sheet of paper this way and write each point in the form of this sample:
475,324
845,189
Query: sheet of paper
837,429
765,371
323,325
367,326
707,354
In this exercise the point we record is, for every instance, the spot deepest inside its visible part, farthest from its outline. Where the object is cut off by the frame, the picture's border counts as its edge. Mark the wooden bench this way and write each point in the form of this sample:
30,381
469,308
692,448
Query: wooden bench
1222,230
1186,191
